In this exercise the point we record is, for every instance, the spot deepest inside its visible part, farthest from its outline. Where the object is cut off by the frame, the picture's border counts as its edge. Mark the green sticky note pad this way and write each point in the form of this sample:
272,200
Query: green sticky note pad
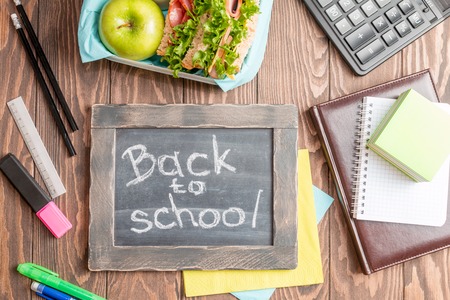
414,136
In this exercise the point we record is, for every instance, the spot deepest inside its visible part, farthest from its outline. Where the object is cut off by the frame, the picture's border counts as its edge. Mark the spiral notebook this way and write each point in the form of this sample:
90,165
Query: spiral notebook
381,191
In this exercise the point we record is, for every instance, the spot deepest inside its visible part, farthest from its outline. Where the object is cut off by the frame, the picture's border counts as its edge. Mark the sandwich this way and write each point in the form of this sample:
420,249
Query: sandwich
212,35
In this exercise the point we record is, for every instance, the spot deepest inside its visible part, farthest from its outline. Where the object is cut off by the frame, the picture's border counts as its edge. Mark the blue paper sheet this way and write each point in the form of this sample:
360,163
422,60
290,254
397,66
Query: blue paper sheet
91,47
254,295
322,201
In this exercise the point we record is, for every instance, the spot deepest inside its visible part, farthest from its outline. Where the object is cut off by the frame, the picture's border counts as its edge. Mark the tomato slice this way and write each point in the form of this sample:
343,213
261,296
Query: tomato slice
185,18
187,4
176,13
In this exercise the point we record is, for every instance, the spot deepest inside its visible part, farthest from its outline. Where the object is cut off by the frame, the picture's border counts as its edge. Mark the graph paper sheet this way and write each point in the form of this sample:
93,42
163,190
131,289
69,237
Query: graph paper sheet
382,192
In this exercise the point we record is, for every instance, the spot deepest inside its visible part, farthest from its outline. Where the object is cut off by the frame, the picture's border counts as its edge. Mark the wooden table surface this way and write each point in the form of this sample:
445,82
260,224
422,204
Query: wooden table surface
301,67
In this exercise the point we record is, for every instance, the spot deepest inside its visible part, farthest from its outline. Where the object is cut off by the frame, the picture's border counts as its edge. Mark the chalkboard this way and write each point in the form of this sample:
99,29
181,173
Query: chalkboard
193,187
197,187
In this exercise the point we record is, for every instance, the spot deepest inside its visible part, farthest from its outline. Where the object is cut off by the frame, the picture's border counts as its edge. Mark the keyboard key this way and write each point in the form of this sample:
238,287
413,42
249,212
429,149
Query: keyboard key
403,28
393,15
356,17
346,5
333,13
343,26
359,1
359,37
324,3
380,24
429,14
369,8
370,51
382,3
406,6
390,38
415,19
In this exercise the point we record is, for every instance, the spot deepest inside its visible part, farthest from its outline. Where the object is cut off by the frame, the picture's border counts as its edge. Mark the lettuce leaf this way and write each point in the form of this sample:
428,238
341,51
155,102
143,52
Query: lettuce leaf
182,39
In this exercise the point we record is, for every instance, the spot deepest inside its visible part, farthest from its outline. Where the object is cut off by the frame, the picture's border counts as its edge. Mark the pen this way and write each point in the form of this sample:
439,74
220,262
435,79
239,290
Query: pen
41,81
45,297
51,279
43,290
41,55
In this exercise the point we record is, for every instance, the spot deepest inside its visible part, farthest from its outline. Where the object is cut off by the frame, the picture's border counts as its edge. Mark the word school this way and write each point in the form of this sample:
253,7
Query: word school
138,216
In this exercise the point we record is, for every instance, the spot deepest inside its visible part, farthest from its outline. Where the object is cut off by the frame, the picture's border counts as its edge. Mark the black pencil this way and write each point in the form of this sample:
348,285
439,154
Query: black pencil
41,81
41,56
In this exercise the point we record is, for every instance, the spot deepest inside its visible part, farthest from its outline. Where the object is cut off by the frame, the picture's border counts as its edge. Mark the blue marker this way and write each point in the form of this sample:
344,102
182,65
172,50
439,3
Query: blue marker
47,292
43,296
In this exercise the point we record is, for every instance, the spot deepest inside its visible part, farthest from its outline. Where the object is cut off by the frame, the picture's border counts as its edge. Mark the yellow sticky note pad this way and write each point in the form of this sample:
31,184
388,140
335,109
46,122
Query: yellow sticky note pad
309,270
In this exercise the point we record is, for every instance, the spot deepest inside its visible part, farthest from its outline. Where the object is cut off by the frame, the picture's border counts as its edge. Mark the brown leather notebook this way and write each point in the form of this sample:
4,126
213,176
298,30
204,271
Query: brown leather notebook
379,245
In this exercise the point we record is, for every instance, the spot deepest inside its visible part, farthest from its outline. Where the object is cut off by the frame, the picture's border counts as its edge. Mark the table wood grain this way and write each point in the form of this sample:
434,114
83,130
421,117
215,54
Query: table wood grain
301,67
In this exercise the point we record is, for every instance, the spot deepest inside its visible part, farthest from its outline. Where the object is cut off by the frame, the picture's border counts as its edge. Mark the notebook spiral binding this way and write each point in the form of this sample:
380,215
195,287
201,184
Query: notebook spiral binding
360,154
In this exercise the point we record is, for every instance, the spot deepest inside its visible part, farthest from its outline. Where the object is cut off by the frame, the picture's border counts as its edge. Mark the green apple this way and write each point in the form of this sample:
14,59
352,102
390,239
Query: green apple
131,28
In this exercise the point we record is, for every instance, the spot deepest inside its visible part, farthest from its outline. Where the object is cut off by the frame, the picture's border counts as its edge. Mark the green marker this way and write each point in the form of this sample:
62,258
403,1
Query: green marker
51,279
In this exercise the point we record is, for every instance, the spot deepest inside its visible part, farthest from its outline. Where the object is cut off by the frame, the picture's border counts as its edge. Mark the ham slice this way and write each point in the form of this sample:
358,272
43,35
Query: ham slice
233,8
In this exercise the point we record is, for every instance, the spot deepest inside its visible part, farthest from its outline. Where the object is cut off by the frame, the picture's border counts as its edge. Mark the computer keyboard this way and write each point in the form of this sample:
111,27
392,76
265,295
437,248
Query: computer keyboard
368,32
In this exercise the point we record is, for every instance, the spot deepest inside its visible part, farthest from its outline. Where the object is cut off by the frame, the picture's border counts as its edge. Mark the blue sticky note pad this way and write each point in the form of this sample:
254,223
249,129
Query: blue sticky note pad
322,202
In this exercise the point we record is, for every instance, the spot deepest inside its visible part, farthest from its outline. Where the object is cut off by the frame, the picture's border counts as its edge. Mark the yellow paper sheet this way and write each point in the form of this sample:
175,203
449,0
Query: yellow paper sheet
309,270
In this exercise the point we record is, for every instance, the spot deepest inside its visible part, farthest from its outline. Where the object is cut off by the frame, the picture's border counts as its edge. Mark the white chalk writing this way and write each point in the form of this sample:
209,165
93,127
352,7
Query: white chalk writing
255,212
139,220
185,214
219,161
135,162
144,164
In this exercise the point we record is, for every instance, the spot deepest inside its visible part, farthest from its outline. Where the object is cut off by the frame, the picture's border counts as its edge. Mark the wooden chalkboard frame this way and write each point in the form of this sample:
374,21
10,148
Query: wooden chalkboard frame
104,255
